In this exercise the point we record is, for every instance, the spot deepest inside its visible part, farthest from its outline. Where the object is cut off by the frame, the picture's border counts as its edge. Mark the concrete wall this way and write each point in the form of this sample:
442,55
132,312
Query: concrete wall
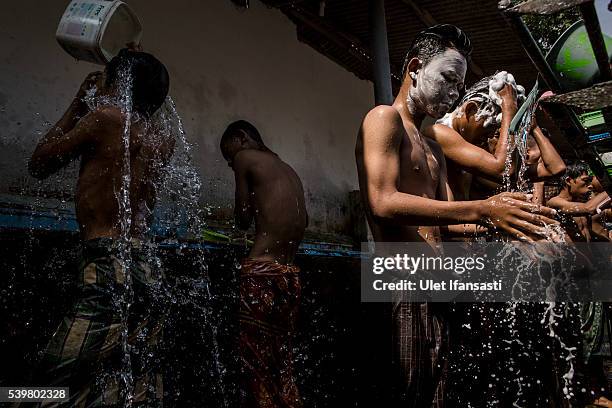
225,64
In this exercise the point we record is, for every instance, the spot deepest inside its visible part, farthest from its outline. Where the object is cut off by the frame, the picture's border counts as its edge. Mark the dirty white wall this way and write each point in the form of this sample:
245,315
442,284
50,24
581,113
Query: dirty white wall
225,64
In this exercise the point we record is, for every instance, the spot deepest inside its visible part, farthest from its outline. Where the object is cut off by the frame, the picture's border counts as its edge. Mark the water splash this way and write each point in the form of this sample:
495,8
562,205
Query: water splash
125,298
180,189
183,219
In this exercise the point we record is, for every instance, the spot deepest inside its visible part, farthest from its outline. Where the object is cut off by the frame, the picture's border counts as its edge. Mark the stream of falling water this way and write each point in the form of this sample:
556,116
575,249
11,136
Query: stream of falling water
178,212
125,298
533,262
182,185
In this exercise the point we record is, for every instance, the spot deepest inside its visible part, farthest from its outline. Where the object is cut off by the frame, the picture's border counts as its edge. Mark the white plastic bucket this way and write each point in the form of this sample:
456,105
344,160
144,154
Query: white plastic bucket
96,30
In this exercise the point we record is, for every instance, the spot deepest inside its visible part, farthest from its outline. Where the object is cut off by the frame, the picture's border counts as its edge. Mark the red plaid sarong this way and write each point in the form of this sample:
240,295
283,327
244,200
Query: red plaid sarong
269,298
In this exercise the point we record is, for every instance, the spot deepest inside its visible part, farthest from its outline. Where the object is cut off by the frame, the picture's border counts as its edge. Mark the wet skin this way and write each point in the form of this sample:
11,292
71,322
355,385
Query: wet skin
269,191
419,172
402,174
575,207
97,139
462,143
599,221
417,163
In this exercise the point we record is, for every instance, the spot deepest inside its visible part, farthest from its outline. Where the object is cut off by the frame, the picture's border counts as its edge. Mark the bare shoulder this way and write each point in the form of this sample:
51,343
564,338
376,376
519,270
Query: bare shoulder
107,116
383,112
245,159
442,134
94,122
381,123
556,202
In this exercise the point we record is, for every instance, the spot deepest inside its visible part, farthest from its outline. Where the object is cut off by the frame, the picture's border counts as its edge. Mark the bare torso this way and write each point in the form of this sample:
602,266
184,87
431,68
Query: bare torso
277,198
420,174
459,181
100,182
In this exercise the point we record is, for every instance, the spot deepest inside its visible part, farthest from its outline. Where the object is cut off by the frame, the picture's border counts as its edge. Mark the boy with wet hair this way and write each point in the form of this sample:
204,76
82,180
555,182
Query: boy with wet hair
269,191
464,135
403,181
149,79
85,353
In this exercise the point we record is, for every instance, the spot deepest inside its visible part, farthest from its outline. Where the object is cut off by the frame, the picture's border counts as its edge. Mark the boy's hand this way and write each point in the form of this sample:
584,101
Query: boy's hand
508,95
603,402
514,214
79,106
90,80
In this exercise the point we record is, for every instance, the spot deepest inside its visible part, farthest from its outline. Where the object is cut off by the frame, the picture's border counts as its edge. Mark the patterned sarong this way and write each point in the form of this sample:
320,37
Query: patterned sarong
87,352
269,299
420,340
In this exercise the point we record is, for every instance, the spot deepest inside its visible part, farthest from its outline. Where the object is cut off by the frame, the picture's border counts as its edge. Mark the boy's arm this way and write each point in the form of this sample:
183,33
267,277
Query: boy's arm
382,132
473,158
462,230
64,141
243,212
57,148
538,193
445,193
551,164
578,208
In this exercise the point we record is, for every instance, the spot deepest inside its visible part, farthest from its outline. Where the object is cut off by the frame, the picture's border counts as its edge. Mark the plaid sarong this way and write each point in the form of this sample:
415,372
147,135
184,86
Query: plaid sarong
420,341
269,299
86,351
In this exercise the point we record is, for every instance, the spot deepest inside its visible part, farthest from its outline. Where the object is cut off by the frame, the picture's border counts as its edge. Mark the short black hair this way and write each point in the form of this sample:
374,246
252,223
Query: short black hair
435,40
233,131
149,78
576,169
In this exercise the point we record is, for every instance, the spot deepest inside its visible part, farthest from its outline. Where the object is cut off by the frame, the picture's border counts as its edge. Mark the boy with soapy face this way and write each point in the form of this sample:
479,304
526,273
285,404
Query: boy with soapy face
402,174
403,181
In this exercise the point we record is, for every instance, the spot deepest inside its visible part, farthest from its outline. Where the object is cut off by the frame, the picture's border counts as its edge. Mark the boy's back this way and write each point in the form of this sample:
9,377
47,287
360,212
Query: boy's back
277,198
103,171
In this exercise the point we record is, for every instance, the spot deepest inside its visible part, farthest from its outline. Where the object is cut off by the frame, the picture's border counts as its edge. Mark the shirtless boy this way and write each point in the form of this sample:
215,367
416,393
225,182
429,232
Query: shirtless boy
403,180
89,336
269,191
464,133
574,203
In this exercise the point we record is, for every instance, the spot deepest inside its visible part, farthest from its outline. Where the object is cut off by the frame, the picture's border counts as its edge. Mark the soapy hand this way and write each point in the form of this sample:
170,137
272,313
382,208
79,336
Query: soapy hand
508,96
501,80
513,213
603,401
